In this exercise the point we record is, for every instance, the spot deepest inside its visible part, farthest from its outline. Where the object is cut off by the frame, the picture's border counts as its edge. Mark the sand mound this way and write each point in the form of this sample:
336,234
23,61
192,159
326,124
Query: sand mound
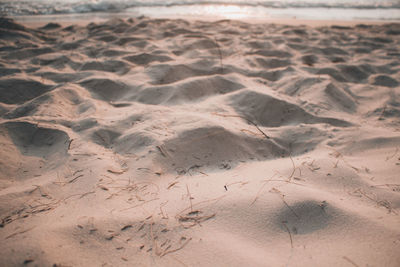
215,147
116,66
188,91
28,53
273,63
145,58
272,53
22,90
299,139
384,80
131,143
304,217
33,140
30,150
63,77
57,61
63,102
340,97
269,111
165,74
105,137
105,89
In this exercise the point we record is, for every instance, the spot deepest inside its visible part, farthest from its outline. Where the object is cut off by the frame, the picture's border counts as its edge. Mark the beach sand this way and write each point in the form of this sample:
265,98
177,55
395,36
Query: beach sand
169,142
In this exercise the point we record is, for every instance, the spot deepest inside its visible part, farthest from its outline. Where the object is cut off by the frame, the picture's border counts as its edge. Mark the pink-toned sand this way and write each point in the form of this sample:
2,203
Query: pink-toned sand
161,142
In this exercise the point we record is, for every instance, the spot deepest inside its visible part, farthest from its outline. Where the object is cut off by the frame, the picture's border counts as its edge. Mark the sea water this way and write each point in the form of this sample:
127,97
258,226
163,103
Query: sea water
302,9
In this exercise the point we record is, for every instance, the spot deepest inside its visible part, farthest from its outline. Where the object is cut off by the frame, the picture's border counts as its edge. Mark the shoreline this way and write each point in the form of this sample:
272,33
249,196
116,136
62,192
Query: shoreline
82,19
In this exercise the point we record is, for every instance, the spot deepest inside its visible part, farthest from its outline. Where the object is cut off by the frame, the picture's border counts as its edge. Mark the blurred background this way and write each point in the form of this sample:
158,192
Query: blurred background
388,10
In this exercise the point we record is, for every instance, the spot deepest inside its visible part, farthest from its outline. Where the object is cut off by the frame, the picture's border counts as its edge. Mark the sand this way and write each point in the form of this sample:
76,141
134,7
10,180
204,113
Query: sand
168,142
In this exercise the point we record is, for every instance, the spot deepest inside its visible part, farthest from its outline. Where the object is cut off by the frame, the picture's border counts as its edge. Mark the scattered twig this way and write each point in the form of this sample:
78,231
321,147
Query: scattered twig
126,227
74,179
274,190
190,198
220,54
294,168
178,260
162,151
258,128
194,218
164,216
189,217
240,182
246,119
155,245
394,154
77,172
116,171
350,261
377,185
141,204
80,195
69,144
251,132
384,203
20,232
175,250
336,164
290,235
273,180
172,184
382,113
37,187
258,193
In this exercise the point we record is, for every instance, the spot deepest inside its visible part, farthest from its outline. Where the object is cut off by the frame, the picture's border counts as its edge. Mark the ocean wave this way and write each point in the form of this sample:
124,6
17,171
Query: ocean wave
42,7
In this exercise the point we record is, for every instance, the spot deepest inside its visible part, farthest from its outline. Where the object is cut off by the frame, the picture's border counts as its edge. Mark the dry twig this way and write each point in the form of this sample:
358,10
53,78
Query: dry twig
290,235
246,119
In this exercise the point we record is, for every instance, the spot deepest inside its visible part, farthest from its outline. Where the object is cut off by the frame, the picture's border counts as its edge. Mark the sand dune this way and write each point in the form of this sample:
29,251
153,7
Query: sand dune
160,142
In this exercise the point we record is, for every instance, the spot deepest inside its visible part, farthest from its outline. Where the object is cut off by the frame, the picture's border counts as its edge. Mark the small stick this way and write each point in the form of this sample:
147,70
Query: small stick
290,235
220,55
199,203
20,232
190,198
383,111
80,195
350,261
246,119
116,171
258,128
284,201
141,204
274,190
394,154
162,151
162,212
172,184
258,193
155,245
294,168
69,145
73,180
175,250
178,260
385,185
